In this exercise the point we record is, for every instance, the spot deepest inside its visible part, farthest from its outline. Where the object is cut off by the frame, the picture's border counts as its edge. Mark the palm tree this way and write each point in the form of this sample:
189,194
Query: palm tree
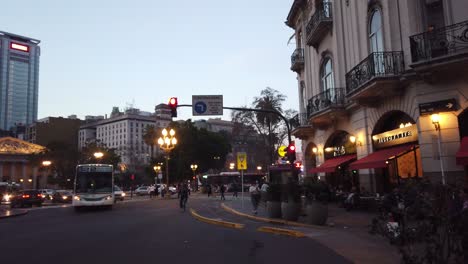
269,99
150,137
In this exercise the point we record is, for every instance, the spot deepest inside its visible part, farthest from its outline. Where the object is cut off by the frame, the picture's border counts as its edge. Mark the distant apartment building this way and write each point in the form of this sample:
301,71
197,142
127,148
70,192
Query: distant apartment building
54,129
19,80
214,125
123,131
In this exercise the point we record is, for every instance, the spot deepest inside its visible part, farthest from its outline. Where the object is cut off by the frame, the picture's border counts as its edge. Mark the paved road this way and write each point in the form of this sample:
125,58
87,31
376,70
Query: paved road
147,232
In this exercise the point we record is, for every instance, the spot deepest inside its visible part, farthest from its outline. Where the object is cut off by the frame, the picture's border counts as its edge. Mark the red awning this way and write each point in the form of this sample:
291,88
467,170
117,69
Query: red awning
378,159
330,165
462,153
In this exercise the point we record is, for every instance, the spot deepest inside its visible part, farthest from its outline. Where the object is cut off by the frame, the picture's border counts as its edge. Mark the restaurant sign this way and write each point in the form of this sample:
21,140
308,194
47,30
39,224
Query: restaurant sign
396,137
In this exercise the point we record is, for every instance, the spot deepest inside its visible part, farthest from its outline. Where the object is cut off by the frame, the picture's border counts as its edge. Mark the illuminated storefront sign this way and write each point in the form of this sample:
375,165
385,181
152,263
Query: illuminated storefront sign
20,47
396,137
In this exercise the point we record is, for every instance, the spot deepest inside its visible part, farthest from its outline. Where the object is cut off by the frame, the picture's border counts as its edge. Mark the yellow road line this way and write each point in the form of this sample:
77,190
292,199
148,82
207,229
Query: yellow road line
281,231
268,220
215,221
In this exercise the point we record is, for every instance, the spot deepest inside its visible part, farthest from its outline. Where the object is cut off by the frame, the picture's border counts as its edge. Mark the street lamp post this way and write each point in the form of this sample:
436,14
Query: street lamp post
45,164
167,143
156,169
98,155
194,168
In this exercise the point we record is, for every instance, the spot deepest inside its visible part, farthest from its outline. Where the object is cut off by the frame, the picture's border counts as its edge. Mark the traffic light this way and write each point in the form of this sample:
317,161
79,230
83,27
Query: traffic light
173,106
132,177
291,152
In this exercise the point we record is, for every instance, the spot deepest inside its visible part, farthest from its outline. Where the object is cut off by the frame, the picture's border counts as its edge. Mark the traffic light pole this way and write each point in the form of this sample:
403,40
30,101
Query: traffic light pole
257,110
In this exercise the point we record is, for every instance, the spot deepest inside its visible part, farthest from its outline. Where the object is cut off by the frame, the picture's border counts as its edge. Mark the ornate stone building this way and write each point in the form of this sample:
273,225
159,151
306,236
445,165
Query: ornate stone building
15,165
383,89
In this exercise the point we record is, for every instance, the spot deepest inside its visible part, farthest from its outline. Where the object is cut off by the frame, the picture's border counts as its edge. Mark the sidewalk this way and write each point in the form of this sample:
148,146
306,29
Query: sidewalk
347,233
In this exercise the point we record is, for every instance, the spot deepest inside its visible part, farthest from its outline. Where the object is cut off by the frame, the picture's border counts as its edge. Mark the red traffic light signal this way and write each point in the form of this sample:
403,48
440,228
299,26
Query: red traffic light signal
291,152
173,106
194,177
132,177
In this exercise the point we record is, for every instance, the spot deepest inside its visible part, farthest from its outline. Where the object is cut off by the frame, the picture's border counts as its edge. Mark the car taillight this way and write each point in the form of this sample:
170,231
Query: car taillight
40,195
25,196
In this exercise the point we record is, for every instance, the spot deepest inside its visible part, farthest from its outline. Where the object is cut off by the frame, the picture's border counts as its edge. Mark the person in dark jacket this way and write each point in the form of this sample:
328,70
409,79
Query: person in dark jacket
222,189
208,190
183,195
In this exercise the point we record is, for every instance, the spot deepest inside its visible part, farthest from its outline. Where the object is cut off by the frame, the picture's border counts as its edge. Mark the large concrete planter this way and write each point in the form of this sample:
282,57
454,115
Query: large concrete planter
290,211
274,209
317,213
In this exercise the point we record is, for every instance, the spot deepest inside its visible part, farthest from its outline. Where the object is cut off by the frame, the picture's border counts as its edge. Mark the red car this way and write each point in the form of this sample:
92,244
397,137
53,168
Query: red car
26,198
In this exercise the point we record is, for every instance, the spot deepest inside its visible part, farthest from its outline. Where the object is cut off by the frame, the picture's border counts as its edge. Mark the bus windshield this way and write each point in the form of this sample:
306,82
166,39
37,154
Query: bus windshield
93,182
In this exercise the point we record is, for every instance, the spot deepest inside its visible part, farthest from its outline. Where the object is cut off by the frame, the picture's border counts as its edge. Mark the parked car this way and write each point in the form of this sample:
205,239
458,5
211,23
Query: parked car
143,190
26,198
62,196
119,194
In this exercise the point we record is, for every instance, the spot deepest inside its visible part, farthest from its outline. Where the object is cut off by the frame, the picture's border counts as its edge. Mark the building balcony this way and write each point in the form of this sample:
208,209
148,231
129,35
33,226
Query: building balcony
443,48
324,108
374,78
300,126
297,60
319,24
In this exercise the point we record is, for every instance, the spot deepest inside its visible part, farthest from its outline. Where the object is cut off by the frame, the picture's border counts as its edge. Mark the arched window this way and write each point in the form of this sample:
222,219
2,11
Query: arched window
326,77
375,31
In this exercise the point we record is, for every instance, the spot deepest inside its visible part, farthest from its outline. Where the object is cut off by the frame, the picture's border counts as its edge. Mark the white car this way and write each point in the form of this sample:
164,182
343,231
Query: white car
119,194
143,190
172,189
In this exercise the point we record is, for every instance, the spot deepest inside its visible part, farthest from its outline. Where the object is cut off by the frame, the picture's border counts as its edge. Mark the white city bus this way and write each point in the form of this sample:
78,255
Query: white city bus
93,186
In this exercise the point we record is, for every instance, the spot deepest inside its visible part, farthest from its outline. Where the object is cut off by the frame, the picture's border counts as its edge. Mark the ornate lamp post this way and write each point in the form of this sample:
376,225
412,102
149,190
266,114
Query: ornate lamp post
167,143
194,168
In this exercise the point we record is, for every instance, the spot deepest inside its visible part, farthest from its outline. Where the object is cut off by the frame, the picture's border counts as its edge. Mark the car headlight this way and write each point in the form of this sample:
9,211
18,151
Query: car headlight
76,197
123,194
64,197
6,197
108,197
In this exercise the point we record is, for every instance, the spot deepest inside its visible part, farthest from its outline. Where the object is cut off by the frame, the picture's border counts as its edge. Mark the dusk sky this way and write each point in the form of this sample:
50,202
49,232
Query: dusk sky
100,54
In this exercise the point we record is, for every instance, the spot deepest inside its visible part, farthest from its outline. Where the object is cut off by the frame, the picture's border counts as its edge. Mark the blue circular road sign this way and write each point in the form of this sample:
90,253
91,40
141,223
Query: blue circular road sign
200,107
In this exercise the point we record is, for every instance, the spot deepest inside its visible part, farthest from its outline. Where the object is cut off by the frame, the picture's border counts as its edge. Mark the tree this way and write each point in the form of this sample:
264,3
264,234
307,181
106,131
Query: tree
87,154
269,125
150,137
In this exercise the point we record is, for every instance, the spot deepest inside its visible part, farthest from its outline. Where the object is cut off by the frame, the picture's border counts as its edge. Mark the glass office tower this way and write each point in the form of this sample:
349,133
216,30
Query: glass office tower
19,80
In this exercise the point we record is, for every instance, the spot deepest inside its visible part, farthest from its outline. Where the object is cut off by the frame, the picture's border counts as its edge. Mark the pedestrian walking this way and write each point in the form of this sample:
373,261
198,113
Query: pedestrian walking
208,190
234,191
184,194
151,191
222,189
254,196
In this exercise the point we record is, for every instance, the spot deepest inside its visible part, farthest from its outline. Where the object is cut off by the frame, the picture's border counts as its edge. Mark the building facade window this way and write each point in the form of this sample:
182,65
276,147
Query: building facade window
375,31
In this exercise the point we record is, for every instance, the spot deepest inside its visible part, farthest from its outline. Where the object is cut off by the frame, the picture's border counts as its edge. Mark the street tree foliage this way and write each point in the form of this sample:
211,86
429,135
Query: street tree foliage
194,146
150,137
270,126
63,158
86,154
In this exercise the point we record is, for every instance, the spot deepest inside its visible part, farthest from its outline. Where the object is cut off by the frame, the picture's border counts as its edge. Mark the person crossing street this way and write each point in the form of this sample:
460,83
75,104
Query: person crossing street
184,194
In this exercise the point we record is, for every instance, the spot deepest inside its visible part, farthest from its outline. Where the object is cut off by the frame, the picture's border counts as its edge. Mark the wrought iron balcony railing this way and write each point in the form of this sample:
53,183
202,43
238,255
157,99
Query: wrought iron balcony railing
440,42
299,120
334,97
376,65
297,59
323,15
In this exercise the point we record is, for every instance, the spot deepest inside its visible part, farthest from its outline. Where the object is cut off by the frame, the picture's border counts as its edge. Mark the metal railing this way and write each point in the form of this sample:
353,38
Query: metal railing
323,13
297,57
299,120
376,65
334,97
440,42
